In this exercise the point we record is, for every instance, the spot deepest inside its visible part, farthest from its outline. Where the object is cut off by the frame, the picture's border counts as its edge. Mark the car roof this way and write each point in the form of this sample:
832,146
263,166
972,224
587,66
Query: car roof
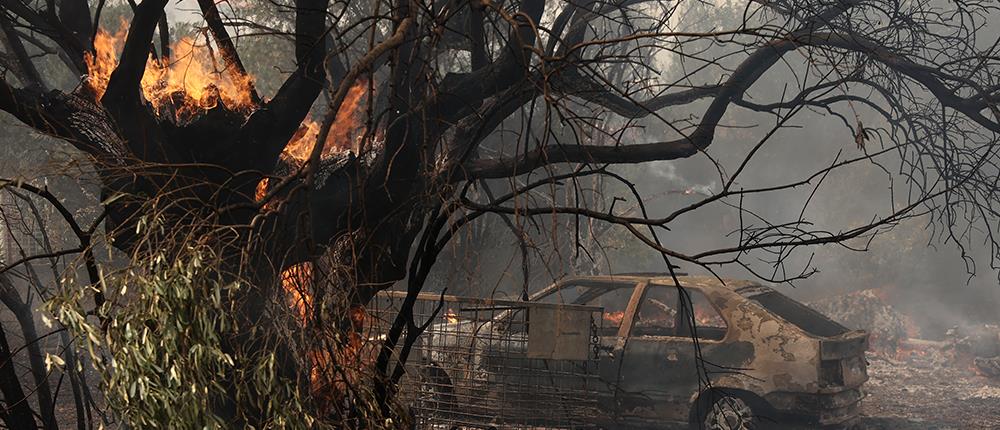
658,278
743,287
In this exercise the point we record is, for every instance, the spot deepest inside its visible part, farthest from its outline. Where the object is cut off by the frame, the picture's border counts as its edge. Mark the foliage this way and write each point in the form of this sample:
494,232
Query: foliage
161,344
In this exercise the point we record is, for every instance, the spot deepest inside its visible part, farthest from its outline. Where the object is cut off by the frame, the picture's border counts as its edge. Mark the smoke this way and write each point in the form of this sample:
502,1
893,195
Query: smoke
922,275
666,172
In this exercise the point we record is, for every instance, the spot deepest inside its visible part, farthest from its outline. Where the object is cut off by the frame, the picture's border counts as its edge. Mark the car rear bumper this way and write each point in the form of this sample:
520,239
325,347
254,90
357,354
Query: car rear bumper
842,407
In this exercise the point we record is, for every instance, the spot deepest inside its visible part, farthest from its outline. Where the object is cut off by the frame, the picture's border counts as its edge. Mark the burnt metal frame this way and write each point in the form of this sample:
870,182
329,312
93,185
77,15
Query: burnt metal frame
476,375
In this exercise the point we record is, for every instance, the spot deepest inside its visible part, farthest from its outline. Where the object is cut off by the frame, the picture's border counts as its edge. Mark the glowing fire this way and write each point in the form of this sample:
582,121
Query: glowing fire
451,316
614,317
261,190
194,81
707,317
347,125
328,380
191,81
297,283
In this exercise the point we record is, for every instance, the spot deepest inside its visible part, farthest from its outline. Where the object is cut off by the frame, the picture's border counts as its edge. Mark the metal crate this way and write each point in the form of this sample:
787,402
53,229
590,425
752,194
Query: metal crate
486,363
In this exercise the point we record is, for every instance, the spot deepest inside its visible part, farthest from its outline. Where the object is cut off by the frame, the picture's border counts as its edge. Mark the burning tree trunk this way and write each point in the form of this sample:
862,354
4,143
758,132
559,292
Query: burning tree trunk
194,153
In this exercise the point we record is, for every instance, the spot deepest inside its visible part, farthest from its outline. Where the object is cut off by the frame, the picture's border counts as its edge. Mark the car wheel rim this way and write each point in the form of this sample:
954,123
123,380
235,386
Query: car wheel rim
730,413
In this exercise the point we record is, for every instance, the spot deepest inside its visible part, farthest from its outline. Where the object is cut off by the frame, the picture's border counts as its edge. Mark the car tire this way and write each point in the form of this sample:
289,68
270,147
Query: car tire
730,413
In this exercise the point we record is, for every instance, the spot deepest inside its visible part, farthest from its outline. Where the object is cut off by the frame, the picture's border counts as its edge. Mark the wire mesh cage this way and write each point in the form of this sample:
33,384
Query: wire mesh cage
485,363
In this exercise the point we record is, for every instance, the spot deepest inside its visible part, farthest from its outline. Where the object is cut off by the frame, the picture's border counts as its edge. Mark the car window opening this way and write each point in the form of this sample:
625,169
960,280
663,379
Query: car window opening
662,314
796,313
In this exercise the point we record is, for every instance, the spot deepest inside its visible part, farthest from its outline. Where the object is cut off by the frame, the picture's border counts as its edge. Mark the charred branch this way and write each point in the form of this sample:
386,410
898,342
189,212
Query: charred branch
48,24
269,129
17,412
24,66
229,54
75,16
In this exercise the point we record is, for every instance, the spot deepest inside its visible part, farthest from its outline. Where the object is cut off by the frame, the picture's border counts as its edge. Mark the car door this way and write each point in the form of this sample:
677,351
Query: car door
658,371
614,298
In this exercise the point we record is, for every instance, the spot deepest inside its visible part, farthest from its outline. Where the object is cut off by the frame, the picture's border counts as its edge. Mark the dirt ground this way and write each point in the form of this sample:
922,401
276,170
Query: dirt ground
908,395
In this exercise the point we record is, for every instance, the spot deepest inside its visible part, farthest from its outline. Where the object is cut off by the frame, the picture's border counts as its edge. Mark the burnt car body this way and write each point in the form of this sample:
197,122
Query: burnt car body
726,355
772,353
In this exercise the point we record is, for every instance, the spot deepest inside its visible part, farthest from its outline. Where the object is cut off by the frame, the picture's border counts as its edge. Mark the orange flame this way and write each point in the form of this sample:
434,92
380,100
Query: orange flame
347,125
261,190
614,317
297,283
334,371
451,316
335,368
192,81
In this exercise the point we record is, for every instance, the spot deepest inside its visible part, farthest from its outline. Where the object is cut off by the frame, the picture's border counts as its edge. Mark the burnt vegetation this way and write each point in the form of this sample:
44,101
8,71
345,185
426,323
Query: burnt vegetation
245,230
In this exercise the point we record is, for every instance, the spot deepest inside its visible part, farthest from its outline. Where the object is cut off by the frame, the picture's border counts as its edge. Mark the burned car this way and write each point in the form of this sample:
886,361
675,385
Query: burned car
721,355
732,355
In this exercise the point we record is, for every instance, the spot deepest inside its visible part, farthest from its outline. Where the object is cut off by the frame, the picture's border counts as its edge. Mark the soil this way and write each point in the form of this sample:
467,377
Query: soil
904,395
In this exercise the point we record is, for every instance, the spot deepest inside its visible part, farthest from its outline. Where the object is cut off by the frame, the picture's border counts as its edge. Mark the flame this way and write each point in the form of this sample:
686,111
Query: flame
707,317
193,81
451,316
333,369
330,382
190,82
297,283
261,190
615,317
347,125
260,193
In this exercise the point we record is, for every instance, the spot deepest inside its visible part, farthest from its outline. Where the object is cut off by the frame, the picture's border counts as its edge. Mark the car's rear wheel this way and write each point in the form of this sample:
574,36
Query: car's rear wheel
730,413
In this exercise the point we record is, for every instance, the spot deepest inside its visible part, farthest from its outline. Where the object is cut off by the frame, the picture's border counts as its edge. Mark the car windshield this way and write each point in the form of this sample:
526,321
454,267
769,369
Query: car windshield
801,315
